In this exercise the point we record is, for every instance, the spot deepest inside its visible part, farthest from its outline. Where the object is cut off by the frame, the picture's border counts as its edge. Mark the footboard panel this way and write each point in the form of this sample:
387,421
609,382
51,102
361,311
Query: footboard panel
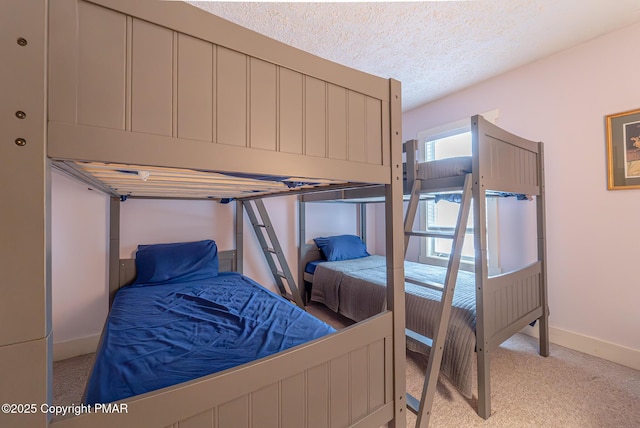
341,380
511,301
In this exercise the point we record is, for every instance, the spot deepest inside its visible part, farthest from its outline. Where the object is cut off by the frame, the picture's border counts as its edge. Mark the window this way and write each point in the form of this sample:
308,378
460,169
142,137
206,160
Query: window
448,141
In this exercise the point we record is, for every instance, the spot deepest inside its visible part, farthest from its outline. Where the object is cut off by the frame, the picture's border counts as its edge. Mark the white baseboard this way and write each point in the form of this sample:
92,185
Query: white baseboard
73,348
590,345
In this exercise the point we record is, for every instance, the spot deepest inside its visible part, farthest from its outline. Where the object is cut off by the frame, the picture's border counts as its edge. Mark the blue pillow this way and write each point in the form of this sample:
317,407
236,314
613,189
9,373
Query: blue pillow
177,262
342,247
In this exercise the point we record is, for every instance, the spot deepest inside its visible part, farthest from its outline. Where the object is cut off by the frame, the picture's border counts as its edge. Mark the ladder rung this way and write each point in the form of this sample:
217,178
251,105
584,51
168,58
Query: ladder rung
430,285
260,225
280,274
419,338
413,404
448,235
270,250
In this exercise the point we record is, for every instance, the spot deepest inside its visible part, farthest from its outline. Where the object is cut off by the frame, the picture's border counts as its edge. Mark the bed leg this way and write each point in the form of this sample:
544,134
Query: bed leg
484,384
543,326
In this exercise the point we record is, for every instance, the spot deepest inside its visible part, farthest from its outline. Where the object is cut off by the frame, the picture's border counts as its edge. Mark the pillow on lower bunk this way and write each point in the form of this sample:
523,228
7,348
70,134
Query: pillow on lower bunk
182,261
341,247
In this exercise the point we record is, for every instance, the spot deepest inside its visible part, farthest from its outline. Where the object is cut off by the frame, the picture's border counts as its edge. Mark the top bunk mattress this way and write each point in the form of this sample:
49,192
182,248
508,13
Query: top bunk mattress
443,168
162,335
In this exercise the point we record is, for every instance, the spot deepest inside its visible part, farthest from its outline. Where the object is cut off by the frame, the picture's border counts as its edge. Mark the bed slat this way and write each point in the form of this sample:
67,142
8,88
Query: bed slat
195,100
105,28
151,80
290,111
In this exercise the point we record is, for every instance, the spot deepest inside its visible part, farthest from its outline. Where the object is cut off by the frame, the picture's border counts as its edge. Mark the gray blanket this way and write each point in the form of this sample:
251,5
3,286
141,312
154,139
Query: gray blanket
356,289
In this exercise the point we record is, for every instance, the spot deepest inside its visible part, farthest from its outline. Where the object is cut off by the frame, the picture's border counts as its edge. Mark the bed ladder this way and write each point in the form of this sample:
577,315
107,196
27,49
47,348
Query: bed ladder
272,250
422,407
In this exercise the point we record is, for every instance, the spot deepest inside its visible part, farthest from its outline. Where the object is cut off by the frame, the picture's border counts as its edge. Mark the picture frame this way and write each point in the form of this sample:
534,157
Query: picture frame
623,150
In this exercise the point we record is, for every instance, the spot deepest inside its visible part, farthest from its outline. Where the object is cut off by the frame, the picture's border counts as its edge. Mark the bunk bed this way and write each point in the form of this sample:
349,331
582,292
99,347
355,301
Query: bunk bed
486,310
183,318
162,100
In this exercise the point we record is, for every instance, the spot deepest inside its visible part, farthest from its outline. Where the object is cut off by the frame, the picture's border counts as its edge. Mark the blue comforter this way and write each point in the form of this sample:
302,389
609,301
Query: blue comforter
161,335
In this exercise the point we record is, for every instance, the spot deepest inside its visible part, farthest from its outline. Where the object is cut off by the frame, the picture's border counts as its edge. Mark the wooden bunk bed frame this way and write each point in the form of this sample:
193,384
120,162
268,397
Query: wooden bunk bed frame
505,304
165,85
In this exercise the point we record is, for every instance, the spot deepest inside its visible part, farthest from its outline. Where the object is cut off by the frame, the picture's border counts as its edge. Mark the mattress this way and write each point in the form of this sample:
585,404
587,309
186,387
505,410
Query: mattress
311,266
162,335
442,168
357,289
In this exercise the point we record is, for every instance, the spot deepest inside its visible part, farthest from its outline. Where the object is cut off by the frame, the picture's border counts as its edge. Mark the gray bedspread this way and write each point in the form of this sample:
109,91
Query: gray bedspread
356,289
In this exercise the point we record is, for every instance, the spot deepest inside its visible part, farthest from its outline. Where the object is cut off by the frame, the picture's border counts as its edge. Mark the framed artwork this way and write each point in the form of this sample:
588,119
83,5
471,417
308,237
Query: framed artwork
623,150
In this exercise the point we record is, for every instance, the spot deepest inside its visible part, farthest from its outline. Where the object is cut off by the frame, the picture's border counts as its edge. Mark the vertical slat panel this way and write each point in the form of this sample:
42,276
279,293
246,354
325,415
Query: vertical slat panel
231,103
292,395
63,70
152,79
174,85
530,168
290,111
357,131
214,92
513,163
374,131
492,314
523,173
359,367
513,303
339,404
264,407
202,420
376,374
504,308
128,74
337,122
522,300
507,163
388,369
195,92
508,304
315,117
263,105
101,66
386,134
318,397
234,414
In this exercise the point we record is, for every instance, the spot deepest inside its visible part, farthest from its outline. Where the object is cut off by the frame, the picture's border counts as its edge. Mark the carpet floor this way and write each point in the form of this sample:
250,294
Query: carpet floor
567,389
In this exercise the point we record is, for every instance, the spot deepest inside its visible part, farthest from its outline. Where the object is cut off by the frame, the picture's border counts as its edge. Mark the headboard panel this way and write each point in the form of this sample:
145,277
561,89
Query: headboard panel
310,252
227,260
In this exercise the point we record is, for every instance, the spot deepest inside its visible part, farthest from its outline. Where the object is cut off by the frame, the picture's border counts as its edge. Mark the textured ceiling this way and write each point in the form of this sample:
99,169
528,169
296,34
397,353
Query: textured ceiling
437,47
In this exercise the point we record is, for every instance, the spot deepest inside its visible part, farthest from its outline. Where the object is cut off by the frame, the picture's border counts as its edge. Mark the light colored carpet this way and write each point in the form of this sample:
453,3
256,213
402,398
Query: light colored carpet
567,389
69,379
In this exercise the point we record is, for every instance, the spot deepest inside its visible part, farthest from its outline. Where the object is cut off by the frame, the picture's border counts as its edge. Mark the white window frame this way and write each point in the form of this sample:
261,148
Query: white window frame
443,131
